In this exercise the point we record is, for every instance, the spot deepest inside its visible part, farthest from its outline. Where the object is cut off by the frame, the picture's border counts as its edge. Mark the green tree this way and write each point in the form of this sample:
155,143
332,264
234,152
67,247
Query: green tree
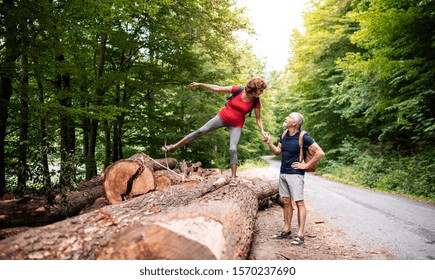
391,83
362,75
308,82
109,77
9,54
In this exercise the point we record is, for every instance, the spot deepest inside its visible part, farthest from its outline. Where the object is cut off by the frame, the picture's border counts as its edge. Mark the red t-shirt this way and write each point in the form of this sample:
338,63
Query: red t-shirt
236,109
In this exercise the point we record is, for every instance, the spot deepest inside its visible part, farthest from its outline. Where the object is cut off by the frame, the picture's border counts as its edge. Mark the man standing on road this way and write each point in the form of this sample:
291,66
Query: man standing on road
291,178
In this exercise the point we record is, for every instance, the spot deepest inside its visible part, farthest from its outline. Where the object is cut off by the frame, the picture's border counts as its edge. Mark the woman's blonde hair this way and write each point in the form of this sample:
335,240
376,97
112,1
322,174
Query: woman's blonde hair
255,83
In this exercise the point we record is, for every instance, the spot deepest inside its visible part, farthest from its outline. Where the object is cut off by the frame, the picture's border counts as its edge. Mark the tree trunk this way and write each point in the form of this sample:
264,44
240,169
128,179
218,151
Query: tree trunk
107,144
86,127
132,177
154,164
164,163
24,122
219,225
126,179
5,95
166,178
67,130
91,164
34,211
263,189
79,237
116,127
44,143
10,53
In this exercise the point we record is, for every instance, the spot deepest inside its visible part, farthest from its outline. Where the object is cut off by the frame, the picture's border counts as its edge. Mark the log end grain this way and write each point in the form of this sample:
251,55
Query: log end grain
118,175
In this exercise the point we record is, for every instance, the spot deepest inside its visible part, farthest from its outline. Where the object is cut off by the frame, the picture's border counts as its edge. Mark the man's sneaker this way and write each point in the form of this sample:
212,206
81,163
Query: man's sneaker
299,240
283,235
233,182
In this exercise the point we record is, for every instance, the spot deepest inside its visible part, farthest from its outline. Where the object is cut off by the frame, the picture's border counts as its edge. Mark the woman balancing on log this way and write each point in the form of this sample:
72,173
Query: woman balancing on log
242,101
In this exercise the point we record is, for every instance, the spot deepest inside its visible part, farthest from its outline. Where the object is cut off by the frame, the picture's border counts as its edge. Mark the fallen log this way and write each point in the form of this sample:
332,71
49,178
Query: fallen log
125,179
219,225
34,211
80,236
263,189
165,178
162,182
188,168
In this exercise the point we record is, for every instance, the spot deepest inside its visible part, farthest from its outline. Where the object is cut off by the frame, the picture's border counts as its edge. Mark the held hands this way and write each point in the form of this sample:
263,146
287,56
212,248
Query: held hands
266,137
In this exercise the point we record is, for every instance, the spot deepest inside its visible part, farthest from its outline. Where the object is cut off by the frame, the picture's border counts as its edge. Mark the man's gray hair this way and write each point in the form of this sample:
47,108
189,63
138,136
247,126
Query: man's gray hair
298,118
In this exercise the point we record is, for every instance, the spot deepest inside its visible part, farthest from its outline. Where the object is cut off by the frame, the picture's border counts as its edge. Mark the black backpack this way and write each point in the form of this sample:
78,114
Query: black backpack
239,90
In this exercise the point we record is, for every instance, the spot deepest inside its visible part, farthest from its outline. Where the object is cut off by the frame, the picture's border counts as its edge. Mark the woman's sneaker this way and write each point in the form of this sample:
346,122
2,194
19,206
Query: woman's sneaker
283,235
234,181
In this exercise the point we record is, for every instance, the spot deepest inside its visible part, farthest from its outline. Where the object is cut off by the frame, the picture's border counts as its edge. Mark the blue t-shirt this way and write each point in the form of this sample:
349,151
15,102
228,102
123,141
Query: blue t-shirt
291,152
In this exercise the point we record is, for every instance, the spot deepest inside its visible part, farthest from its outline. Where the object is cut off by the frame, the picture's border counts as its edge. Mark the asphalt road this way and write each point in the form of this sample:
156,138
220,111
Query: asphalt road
401,228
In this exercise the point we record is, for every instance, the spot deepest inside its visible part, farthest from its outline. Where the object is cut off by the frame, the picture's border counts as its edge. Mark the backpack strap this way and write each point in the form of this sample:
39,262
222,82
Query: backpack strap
301,145
284,133
256,100
237,92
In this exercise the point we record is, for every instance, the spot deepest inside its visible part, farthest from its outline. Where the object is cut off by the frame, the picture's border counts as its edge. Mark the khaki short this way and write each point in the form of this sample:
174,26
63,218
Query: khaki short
291,185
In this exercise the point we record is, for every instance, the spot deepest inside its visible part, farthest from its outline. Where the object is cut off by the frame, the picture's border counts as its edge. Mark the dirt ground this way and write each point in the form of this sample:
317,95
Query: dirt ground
322,240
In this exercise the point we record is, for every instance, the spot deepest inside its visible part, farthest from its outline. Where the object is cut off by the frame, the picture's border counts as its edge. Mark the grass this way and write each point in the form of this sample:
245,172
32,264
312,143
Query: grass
252,163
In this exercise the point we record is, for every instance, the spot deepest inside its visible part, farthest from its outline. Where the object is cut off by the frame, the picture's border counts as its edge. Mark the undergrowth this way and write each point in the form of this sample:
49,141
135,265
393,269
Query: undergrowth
412,176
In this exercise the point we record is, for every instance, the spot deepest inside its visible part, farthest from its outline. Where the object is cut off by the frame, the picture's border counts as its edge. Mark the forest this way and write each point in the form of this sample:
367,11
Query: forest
87,83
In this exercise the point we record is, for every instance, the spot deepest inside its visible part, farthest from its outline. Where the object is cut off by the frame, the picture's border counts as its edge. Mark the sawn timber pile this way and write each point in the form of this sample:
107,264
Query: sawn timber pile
168,222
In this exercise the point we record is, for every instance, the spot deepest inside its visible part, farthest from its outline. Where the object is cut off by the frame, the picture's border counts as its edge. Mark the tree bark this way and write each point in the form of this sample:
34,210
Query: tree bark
117,136
219,225
170,177
263,189
24,122
62,84
34,211
44,142
79,237
10,53
91,164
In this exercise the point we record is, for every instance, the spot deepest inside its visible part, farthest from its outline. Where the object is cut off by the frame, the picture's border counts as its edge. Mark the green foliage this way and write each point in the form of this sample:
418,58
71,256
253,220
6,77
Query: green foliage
307,85
390,84
253,163
114,74
410,175
362,75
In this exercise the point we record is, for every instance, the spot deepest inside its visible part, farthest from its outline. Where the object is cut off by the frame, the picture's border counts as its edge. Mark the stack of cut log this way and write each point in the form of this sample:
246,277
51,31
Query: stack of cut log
151,211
